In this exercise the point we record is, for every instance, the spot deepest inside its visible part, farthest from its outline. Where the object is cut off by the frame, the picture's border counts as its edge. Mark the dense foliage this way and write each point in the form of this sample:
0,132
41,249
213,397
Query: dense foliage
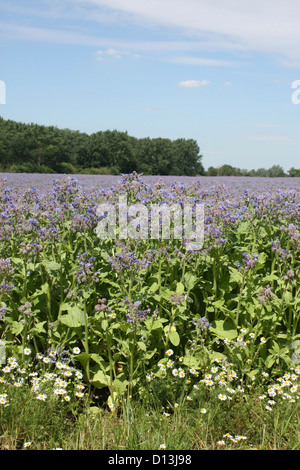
33,148
276,171
142,316
46,149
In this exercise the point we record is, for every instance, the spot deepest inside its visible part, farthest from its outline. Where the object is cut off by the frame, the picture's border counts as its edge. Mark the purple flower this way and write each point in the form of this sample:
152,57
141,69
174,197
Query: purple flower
201,323
265,294
2,312
250,260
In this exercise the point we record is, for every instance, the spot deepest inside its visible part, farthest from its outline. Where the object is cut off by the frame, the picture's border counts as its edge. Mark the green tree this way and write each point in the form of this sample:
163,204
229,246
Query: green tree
226,170
262,172
34,147
212,171
51,156
293,172
144,162
276,171
186,158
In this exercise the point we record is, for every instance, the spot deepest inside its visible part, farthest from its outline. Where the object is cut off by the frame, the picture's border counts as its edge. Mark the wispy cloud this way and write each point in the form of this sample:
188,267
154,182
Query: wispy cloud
194,83
162,50
271,138
220,27
259,26
201,61
116,54
263,125
15,32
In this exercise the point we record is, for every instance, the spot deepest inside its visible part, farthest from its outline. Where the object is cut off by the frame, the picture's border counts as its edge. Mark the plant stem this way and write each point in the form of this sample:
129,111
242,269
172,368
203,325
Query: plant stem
240,298
86,341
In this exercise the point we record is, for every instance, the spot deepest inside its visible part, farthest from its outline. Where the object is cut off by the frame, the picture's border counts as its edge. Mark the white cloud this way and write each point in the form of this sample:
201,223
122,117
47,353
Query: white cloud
270,138
48,35
275,139
263,125
200,61
112,52
113,47
260,25
194,83
116,54
219,26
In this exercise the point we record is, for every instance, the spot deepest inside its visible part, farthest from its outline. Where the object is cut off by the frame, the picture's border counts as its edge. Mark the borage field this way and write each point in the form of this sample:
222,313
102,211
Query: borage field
141,343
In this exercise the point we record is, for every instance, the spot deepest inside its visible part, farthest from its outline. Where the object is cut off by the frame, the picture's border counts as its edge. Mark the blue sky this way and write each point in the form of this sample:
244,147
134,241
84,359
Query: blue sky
217,71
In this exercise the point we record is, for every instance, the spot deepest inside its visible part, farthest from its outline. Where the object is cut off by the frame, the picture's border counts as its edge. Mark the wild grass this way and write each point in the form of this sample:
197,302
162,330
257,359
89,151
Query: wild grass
243,425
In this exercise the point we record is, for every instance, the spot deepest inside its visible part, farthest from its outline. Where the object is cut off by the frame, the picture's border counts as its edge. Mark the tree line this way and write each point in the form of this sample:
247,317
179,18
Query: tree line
276,171
47,149
34,148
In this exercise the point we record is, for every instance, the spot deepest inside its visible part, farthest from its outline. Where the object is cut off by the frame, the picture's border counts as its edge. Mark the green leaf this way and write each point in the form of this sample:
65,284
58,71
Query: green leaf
289,362
224,328
83,358
174,338
16,327
141,345
16,260
153,325
216,355
111,283
235,276
149,354
52,267
252,373
43,290
166,293
120,386
219,303
179,288
270,278
153,288
190,280
275,347
270,361
288,298
190,361
74,318
243,227
39,328
100,380
262,258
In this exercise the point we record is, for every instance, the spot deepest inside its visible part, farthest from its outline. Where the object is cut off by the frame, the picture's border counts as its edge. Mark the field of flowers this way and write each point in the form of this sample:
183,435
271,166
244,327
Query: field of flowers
97,322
